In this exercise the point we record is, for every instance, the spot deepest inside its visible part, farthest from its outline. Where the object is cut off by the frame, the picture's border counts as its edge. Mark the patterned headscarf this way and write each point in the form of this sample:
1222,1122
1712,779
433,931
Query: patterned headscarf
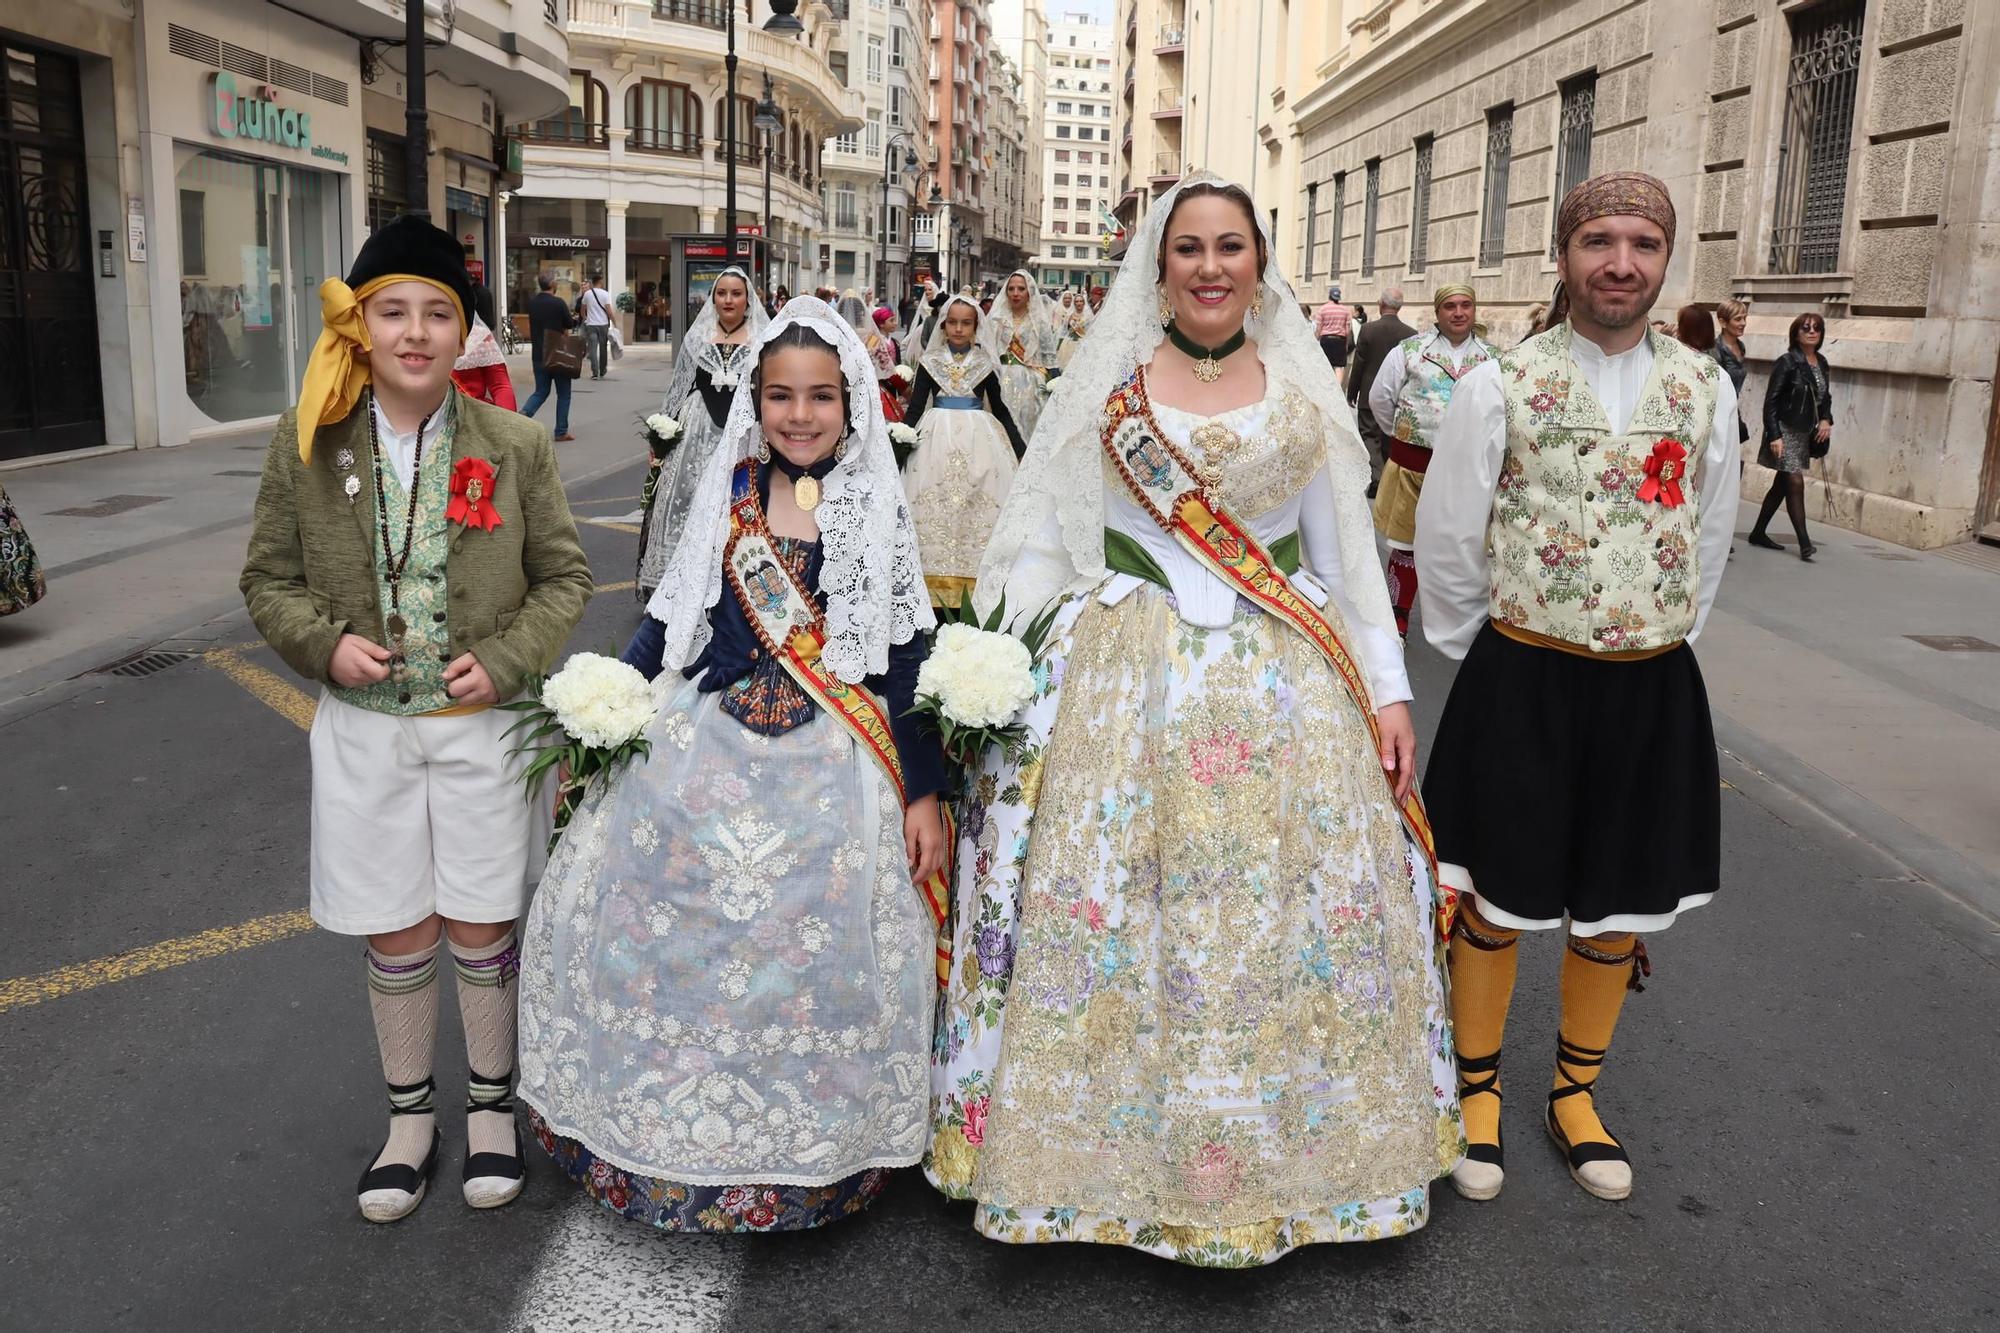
1449,290
1616,194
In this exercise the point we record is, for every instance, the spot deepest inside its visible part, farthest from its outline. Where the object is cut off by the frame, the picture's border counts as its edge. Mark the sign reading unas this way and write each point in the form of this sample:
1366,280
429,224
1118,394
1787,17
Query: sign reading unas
256,116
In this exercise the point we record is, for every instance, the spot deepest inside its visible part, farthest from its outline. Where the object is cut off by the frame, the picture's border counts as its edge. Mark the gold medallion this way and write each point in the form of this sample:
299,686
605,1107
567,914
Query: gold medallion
1208,370
1216,443
806,492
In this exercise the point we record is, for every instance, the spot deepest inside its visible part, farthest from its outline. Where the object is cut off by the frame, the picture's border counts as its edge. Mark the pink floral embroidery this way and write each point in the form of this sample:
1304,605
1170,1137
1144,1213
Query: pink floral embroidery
1214,759
975,1120
1214,1174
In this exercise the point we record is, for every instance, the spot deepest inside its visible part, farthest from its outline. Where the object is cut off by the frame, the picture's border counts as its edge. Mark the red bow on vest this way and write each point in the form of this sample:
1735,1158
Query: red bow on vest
472,495
1665,471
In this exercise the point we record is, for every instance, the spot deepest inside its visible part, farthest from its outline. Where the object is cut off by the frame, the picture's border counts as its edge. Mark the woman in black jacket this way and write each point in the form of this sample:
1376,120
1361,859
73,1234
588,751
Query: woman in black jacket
1798,427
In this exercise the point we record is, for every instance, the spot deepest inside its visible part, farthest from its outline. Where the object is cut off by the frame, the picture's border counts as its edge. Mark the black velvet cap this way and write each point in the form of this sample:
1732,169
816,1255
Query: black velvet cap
413,247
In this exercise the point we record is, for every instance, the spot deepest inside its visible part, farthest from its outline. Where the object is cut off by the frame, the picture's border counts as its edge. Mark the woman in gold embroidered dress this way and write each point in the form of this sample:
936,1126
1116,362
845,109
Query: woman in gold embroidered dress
1198,1003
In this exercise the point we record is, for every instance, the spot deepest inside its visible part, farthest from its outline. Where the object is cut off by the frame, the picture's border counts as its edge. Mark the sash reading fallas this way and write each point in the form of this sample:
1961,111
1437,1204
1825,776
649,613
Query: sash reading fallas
789,625
1163,483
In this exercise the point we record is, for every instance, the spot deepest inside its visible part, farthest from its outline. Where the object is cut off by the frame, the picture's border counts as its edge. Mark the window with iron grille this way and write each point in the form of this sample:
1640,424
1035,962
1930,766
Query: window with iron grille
1420,204
1312,219
386,177
1818,135
664,117
1493,203
1579,114
1371,208
1339,204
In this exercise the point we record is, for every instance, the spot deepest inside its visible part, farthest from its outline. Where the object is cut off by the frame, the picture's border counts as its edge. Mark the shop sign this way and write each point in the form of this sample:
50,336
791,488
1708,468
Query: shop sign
256,116
569,243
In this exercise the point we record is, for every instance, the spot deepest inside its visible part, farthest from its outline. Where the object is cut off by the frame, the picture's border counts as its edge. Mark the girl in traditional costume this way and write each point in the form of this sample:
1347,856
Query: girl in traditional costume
1198,1002
886,351
728,972
967,443
712,360
1028,334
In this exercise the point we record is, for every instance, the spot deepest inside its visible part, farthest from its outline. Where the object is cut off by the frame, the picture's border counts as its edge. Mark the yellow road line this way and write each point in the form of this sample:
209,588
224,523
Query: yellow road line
267,687
24,991
616,587
632,528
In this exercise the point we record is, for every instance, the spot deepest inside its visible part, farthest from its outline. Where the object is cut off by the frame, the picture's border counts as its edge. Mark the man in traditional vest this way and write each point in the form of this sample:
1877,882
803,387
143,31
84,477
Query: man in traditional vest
1571,536
1408,399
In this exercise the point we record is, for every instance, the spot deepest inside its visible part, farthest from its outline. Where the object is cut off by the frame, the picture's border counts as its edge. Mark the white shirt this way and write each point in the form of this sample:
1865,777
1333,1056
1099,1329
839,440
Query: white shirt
1206,600
596,306
1396,368
402,448
1471,446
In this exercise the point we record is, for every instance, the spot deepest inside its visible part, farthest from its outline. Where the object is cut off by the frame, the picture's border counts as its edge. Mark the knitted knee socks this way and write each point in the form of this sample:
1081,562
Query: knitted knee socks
486,997
403,996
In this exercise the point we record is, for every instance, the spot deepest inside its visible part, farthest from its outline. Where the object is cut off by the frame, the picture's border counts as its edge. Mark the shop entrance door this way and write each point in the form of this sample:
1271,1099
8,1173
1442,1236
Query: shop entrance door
50,394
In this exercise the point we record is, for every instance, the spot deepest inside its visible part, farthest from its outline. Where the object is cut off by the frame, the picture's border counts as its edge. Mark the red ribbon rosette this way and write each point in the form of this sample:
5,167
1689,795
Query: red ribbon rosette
1665,471
472,495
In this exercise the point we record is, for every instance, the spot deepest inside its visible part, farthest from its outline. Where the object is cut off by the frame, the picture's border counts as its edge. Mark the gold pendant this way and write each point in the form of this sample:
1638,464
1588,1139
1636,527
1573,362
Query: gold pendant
806,492
1208,370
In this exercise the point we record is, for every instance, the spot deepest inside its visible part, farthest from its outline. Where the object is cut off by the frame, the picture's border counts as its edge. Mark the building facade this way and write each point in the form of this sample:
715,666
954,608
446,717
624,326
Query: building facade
883,48
961,47
1077,166
1010,233
1828,157
194,169
629,180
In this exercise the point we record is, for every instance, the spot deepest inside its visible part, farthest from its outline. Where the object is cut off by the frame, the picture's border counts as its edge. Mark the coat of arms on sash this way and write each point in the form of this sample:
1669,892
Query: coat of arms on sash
1149,463
766,586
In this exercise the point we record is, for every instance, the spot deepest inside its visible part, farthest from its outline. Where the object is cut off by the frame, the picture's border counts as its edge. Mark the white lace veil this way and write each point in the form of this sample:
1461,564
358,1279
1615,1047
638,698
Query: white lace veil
1043,320
700,334
985,352
1050,535
854,311
870,575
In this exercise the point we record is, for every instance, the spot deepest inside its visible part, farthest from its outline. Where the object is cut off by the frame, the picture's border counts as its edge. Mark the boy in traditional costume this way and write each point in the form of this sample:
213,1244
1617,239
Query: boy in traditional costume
1571,536
413,551
1408,400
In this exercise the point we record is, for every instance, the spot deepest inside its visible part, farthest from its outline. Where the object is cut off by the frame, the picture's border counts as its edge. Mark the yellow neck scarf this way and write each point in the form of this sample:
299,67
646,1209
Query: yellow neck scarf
335,375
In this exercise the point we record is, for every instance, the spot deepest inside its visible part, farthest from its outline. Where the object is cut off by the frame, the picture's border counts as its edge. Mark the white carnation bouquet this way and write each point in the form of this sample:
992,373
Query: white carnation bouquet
585,721
977,679
902,376
661,432
903,439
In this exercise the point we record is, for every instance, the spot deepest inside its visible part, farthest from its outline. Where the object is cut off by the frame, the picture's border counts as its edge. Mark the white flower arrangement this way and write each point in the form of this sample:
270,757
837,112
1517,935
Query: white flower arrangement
586,721
664,426
903,439
977,679
903,373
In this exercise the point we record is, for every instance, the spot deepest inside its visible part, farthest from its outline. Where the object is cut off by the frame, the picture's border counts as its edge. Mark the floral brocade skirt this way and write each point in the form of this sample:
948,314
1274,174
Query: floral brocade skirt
1199,1003
21,581
676,1206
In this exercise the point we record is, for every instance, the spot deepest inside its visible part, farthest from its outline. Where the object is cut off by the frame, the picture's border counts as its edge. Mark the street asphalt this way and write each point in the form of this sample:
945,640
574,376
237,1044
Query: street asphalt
1805,1086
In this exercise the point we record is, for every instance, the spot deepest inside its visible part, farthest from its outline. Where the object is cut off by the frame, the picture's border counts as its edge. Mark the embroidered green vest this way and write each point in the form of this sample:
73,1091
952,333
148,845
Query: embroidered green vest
424,596
1573,553
1428,383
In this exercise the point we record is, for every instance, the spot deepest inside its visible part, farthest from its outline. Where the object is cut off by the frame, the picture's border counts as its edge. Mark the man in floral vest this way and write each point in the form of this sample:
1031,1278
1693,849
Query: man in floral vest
1411,392
413,551
1571,536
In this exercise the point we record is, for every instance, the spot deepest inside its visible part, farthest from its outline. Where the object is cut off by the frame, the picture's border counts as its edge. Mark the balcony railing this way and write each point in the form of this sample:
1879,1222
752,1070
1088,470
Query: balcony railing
1169,103
705,13
1172,37
1166,166
686,143
572,133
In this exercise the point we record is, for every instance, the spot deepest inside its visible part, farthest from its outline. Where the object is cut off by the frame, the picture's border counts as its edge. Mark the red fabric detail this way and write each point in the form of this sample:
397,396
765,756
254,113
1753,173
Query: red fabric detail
1402,587
1410,457
472,495
489,384
1665,471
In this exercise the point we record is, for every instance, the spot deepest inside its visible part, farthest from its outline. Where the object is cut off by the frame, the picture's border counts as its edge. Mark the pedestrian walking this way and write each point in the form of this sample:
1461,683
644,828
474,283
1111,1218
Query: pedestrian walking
547,314
467,581
1408,401
1372,345
1694,329
1572,533
1173,914
593,307
728,974
22,583
709,365
1798,428
1332,327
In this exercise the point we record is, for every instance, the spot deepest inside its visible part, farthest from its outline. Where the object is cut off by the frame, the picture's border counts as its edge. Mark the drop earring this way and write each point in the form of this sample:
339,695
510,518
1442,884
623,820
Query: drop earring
840,447
763,447
1166,311
1257,305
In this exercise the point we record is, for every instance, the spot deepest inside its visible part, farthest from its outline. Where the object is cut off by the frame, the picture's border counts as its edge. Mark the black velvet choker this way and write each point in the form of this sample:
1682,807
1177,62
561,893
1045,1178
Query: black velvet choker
818,471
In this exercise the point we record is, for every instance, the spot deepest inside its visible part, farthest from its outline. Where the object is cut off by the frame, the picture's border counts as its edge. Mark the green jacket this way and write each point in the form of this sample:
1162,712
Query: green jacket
516,592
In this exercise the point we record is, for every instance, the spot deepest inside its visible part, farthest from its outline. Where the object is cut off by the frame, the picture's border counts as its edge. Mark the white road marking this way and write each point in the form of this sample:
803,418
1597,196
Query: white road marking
598,1271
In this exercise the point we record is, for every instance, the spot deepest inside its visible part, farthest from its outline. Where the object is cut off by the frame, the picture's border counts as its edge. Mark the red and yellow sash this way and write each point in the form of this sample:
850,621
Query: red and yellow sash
1162,481
788,623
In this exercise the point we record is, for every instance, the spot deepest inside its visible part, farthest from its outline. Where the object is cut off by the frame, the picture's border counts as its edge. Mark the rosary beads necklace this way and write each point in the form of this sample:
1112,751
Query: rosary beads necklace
394,564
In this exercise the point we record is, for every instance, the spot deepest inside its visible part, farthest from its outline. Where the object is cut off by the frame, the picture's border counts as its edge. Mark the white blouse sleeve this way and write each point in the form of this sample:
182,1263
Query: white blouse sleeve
1380,651
1453,510
1388,383
1721,480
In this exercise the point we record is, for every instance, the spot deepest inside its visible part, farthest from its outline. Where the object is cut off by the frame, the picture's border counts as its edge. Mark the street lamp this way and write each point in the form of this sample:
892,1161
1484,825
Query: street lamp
767,120
910,165
782,20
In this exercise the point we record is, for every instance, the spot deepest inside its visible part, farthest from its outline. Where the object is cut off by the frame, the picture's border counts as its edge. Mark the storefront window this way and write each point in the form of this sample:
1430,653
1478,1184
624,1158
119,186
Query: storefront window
257,240
564,238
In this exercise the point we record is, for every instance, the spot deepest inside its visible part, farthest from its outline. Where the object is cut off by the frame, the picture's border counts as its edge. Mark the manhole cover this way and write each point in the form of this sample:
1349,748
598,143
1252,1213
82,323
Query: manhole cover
109,505
1954,643
147,663
242,472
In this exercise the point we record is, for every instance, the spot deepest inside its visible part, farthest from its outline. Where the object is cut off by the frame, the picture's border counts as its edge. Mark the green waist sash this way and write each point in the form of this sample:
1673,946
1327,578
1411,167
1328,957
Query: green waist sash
1123,555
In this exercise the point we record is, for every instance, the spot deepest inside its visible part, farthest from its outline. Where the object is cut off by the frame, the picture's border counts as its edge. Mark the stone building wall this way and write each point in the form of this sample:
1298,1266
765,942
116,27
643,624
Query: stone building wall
1694,92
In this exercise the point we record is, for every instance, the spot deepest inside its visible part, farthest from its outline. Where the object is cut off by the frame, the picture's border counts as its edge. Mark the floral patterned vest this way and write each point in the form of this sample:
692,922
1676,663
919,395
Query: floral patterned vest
1427,386
424,597
1574,554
